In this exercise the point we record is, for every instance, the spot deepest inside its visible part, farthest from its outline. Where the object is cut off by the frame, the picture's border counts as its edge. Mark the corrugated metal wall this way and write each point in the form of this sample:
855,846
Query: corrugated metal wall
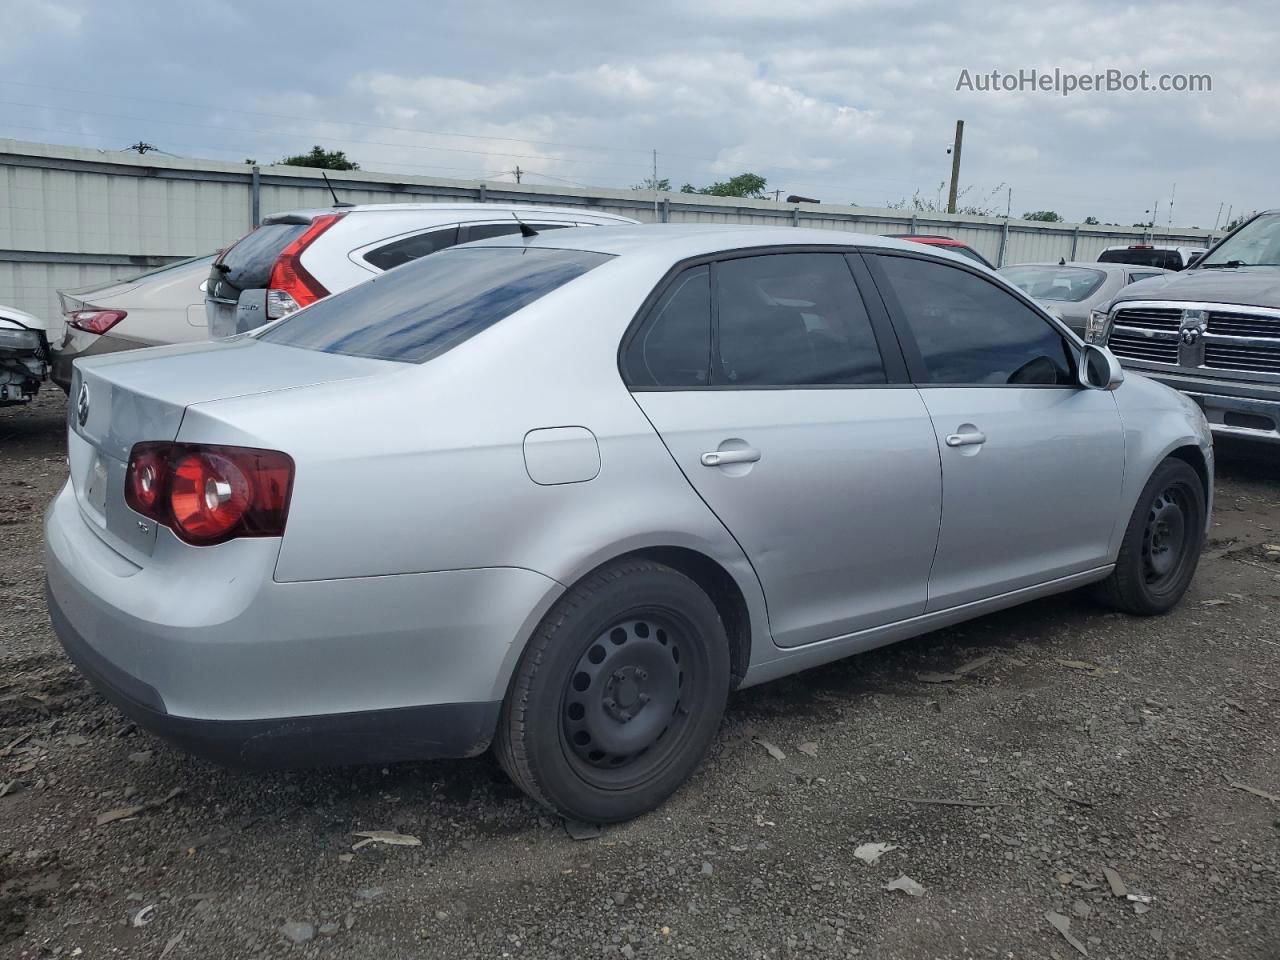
70,217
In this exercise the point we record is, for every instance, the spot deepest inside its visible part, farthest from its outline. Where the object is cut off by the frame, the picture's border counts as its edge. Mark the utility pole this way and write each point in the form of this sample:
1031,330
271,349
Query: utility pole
1218,219
142,146
517,171
655,184
776,195
955,167
1173,195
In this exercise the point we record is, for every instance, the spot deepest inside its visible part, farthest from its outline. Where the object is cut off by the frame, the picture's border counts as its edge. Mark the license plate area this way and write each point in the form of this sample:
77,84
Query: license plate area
95,487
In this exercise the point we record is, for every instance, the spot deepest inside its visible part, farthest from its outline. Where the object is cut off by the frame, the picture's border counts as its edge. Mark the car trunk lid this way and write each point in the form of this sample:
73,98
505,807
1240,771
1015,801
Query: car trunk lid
121,399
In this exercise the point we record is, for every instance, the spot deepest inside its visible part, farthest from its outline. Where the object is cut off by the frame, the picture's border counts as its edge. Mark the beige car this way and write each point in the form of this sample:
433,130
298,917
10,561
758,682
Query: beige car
154,308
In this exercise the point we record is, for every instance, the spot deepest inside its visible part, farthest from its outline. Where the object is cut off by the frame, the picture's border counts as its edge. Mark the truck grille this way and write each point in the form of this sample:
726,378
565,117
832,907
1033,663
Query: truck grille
1244,325
1142,348
1230,356
1148,318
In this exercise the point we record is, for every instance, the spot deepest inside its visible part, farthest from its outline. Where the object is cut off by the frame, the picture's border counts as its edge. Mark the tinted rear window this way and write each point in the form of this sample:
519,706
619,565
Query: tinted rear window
250,260
1165,259
426,307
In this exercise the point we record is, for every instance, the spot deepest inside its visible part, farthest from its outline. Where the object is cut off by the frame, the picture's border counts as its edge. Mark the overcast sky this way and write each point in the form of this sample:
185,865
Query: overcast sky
842,100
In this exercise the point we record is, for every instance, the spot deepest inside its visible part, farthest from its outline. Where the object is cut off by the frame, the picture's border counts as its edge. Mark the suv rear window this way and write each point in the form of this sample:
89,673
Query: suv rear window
247,264
431,305
1164,259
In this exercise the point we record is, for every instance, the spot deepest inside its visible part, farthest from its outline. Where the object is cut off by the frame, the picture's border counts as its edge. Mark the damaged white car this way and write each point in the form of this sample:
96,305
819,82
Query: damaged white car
24,356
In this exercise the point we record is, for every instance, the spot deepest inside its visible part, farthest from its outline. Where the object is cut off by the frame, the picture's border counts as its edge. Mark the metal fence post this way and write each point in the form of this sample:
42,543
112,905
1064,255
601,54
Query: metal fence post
1004,242
483,193
255,196
795,216
1075,241
913,225
666,209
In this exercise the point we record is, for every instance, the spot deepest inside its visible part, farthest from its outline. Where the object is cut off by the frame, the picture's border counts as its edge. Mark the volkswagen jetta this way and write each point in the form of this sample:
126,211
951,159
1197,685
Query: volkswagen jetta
561,494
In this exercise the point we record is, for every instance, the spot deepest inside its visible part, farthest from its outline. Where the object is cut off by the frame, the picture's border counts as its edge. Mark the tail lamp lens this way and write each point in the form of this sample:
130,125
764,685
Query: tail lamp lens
95,321
291,287
210,494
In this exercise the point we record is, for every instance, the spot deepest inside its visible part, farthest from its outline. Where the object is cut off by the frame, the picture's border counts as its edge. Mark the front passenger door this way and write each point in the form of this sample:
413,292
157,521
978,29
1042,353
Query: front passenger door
1032,463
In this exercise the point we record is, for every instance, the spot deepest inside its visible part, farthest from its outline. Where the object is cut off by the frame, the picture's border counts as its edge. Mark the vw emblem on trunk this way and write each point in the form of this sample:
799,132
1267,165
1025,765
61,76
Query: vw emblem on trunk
82,404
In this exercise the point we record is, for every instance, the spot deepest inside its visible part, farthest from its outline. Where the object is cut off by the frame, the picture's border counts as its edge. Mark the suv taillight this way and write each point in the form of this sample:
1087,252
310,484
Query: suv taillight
209,494
95,321
291,287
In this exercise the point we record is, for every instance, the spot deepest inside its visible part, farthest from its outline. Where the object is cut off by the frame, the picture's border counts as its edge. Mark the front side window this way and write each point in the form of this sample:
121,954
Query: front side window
793,319
1070,284
432,304
970,331
405,249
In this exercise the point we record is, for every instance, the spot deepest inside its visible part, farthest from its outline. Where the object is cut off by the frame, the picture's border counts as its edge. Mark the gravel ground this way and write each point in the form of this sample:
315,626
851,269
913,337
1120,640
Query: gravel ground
1082,742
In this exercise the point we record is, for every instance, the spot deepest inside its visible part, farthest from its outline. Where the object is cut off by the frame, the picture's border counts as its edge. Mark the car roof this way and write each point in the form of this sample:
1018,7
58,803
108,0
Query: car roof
1153,246
684,240
497,209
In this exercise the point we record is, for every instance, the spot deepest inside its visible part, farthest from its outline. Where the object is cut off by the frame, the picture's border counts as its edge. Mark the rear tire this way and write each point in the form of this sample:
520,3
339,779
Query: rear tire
618,695
1161,545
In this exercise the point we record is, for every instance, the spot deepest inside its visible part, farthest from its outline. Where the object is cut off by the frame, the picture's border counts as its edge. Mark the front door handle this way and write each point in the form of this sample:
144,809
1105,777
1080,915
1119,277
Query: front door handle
967,439
719,458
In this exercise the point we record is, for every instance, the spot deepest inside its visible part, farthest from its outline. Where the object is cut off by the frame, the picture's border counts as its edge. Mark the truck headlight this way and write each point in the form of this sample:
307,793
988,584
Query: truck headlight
11,339
1095,330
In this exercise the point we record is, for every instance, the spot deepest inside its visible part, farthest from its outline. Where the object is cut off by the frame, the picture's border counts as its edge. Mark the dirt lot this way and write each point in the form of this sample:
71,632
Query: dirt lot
1092,740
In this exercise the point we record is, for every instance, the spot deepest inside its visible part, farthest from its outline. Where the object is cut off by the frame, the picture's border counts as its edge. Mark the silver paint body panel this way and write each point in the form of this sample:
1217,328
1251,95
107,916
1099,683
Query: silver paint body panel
425,541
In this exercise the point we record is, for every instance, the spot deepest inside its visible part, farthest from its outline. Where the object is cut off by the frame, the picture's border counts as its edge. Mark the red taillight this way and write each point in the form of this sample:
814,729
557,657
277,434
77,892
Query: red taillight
291,287
210,494
95,321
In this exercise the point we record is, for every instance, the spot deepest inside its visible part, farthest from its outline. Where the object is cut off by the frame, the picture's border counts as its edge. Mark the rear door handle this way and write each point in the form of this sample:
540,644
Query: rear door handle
719,458
967,439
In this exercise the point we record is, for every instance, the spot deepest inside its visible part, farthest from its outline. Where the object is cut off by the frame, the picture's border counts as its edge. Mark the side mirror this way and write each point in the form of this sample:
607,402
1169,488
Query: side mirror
1099,369
1194,259
204,285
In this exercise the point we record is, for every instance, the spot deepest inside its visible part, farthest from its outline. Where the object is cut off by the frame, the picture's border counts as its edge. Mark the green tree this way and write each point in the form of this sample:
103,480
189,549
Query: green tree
1045,216
1237,221
648,183
324,159
1092,221
748,185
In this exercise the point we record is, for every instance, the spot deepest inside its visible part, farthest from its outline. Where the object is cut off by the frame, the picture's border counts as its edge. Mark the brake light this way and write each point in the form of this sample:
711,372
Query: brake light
1141,246
291,287
209,494
95,321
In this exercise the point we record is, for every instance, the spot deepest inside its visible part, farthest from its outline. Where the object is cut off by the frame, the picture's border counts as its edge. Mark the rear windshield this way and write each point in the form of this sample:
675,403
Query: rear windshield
248,262
1165,259
428,306
1071,284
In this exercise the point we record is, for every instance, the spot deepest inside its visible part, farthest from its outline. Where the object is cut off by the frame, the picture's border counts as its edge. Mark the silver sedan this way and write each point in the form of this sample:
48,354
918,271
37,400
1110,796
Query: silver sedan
562,493
1071,291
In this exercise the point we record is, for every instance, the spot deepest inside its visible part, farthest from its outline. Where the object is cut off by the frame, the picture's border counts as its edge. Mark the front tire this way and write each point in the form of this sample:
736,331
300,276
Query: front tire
618,695
1161,545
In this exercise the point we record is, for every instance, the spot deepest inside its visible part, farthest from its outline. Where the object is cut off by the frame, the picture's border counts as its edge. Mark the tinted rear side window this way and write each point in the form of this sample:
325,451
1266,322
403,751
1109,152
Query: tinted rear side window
248,263
672,348
401,251
793,319
432,304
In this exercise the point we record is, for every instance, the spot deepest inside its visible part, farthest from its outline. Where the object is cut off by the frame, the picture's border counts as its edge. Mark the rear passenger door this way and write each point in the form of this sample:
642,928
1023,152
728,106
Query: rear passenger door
1032,463
782,397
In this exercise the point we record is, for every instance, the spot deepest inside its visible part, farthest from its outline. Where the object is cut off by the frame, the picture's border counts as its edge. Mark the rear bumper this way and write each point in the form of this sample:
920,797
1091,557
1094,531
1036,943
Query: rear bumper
1234,409
370,736
219,658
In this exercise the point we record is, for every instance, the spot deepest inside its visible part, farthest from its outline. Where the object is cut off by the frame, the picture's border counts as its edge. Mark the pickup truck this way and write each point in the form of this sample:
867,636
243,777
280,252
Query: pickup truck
1211,331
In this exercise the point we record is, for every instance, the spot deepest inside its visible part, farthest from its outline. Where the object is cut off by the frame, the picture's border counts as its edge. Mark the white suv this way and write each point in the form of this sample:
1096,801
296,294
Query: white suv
295,259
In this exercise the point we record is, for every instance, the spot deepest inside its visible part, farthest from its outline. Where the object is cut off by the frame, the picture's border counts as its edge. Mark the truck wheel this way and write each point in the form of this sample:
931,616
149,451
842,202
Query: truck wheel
1161,545
618,694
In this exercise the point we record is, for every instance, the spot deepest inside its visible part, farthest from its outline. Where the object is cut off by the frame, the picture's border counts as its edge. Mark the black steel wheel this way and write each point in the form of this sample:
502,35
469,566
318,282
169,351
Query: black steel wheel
618,695
1162,543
